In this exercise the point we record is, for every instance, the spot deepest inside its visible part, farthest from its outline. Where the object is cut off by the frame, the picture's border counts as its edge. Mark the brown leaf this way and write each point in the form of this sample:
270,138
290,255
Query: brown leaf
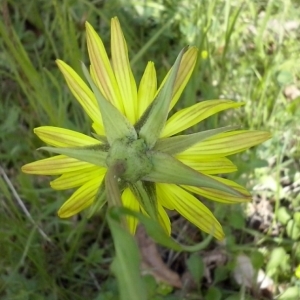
291,92
152,262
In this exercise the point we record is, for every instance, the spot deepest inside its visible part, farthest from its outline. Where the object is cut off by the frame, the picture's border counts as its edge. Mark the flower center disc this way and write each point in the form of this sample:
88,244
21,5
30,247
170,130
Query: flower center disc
132,157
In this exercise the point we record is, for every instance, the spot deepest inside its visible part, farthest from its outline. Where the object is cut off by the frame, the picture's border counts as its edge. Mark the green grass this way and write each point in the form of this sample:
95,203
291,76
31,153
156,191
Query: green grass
252,56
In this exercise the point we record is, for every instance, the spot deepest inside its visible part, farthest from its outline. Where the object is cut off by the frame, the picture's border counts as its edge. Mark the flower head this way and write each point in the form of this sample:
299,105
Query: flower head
135,148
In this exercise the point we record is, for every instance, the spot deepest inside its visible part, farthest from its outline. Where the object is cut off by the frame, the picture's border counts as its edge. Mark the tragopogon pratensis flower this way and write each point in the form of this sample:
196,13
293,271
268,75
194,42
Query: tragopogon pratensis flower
136,144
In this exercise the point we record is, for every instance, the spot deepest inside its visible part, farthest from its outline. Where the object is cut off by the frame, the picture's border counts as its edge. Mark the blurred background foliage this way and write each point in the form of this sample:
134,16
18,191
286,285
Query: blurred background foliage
249,51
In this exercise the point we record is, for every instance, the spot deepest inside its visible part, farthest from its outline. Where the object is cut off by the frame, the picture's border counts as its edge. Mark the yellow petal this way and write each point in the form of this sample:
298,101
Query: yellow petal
122,70
99,129
81,199
147,88
185,71
96,80
77,178
164,219
102,70
218,165
81,92
129,201
192,115
61,137
55,165
225,144
220,196
190,208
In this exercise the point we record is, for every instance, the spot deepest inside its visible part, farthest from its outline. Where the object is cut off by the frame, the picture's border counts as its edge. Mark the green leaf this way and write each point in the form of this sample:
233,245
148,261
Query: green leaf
292,230
95,155
167,169
126,265
291,293
153,120
196,266
297,218
177,144
257,259
237,220
115,124
158,234
221,273
283,215
277,260
213,293
145,193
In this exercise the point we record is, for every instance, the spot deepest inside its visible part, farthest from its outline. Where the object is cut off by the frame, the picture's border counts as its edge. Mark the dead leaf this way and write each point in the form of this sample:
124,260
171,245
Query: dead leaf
243,272
291,92
212,259
258,282
152,262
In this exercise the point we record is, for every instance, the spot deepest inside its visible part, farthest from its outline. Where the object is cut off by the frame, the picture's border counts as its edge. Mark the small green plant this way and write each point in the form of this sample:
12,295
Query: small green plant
134,160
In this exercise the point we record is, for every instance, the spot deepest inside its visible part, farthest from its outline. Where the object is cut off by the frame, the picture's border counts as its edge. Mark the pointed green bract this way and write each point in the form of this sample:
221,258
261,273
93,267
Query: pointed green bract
167,169
112,189
112,182
146,195
177,144
158,234
95,155
99,137
155,117
115,124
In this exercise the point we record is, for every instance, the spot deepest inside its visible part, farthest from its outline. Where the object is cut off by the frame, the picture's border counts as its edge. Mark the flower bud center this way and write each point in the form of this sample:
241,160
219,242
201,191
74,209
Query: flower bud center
132,156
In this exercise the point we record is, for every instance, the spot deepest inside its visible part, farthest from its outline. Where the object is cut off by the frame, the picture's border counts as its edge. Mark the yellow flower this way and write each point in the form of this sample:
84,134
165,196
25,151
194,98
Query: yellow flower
135,141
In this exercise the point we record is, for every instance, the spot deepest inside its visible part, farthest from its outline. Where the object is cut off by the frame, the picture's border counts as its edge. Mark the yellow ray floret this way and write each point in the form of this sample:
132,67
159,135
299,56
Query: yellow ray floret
81,199
122,70
185,71
55,165
103,71
129,201
220,196
61,137
225,144
75,179
194,114
81,92
147,88
218,165
173,197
